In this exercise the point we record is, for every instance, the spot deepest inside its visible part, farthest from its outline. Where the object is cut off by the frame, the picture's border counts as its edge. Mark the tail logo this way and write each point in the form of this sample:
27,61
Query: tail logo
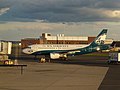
100,40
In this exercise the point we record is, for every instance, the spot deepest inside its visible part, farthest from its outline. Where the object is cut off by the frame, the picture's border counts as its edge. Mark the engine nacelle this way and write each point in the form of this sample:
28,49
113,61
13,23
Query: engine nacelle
54,55
98,48
57,56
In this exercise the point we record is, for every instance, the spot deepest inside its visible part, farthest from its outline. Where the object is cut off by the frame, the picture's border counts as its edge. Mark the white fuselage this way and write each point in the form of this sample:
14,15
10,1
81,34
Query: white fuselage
44,47
41,47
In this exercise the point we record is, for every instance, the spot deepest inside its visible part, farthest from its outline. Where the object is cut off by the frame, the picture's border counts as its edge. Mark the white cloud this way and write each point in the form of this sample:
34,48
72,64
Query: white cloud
100,14
113,14
3,10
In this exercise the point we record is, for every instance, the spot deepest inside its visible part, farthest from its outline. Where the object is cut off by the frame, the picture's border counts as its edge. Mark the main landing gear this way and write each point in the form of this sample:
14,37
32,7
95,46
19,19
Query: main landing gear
47,58
44,59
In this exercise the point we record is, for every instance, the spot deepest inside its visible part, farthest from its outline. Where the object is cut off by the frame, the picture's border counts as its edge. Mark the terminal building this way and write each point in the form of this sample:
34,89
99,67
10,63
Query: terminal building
47,38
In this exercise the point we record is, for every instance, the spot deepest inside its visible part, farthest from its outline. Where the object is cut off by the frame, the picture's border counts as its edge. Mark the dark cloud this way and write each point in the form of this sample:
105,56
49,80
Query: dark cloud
108,4
60,10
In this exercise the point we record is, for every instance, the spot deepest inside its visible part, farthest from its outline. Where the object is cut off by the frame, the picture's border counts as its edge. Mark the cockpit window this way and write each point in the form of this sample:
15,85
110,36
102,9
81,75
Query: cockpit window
30,50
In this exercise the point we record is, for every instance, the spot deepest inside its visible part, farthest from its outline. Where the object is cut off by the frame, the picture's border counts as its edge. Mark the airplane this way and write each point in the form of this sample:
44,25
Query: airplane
62,51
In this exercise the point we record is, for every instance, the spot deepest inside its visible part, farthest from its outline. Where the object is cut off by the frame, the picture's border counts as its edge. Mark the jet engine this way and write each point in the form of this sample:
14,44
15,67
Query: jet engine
57,56
54,55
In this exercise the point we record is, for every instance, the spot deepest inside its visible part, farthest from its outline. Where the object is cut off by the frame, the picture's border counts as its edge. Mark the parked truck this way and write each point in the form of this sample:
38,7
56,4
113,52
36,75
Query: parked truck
114,57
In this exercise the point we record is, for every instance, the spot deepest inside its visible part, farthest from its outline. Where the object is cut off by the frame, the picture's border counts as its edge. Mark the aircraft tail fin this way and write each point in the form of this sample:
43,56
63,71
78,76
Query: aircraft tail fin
99,40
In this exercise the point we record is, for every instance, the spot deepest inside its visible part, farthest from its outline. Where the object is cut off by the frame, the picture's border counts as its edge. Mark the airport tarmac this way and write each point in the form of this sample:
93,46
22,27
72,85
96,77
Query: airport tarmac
80,73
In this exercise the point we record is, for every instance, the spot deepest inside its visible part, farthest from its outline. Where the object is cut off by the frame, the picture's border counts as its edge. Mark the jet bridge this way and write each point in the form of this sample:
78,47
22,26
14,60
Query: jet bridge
5,50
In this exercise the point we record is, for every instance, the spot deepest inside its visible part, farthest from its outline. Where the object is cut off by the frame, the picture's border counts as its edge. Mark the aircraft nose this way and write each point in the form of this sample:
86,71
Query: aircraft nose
24,51
27,51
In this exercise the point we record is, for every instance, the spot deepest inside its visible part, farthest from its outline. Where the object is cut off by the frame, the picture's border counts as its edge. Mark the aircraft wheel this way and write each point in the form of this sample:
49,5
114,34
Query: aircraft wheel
42,60
63,58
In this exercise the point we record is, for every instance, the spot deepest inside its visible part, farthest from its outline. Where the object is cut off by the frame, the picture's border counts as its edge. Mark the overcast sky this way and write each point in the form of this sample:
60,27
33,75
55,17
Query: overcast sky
29,18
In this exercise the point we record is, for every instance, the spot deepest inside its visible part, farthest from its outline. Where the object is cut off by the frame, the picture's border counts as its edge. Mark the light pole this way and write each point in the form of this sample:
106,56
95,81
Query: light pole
17,45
